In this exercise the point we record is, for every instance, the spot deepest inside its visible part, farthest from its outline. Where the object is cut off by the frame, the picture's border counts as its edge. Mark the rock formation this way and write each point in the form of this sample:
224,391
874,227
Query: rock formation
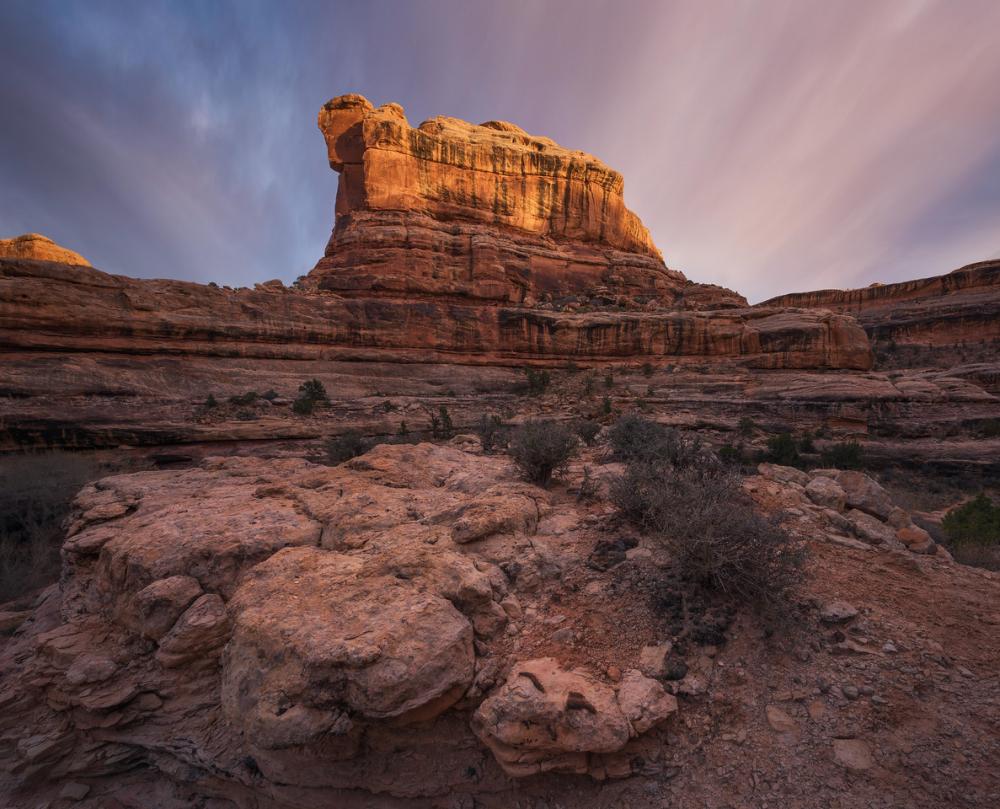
961,308
37,247
487,212
417,628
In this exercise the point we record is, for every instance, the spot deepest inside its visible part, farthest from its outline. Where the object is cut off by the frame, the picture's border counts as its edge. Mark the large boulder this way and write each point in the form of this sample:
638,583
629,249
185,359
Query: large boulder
547,719
314,633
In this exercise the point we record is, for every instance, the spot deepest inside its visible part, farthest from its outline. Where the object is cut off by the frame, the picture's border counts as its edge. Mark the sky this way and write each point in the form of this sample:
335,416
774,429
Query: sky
769,146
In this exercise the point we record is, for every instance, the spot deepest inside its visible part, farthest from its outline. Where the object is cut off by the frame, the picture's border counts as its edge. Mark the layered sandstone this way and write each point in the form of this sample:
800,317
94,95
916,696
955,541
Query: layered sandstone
37,247
961,308
487,212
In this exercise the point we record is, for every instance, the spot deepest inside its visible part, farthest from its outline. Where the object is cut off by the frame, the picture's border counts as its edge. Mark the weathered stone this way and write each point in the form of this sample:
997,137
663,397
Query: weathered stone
157,607
854,754
546,719
837,612
643,701
826,492
200,631
780,721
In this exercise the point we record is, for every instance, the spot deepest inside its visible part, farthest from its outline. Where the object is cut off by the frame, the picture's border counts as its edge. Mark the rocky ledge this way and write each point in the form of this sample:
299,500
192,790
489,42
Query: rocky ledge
419,628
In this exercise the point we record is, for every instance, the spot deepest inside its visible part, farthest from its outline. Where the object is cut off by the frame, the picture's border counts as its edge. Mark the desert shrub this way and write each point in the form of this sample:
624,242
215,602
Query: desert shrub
492,432
637,439
730,455
344,447
587,430
537,381
606,405
311,393
211,402
244,399
782,449
845,455
747,426
711,529
542,449
647,369
35,496
588,385
270,394
403,430
314,389
441,424
974,523
609,380
587,491
806,442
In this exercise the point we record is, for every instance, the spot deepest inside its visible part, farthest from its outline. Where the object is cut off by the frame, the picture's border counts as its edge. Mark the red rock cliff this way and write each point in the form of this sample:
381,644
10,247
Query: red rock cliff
488,212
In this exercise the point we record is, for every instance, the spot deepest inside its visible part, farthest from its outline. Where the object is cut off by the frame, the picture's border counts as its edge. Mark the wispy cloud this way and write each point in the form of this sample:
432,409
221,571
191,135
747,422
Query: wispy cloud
770,146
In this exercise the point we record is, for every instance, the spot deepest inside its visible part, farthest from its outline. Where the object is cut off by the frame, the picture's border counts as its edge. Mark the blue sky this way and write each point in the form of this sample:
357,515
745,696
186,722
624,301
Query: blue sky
769,146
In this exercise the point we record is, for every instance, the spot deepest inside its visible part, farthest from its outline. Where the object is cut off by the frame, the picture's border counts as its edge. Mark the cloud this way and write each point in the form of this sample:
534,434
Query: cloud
770,147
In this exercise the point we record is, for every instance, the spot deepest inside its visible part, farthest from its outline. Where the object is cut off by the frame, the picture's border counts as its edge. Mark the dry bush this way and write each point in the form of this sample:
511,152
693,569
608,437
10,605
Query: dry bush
542,449
35,496
715,537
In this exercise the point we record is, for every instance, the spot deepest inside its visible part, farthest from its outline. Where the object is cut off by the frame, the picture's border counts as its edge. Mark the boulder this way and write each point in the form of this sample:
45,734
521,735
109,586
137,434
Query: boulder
864,493
315,629
782,474
644,701
870,529
547,719
826,492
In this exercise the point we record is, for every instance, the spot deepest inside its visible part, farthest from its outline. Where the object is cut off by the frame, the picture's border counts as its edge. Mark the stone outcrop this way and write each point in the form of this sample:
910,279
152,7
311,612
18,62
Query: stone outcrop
46,306
487,212
961,308
312,621
351,651
37,247
546,719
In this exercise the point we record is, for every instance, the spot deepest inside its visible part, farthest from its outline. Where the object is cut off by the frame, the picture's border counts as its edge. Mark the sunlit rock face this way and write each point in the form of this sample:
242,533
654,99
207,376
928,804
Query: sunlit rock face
960,308
37,247
488,211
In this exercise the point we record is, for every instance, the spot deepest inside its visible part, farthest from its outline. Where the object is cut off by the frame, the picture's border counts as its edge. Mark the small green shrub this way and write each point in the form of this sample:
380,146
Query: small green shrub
211,402
782,449
346,446
492,432
303,406
403,429
974,523
731,455
747,426
845,455
270,394
314,390
587,430
609,380
245,399
647,369
538,381
441,424
806,442
541,450
606,405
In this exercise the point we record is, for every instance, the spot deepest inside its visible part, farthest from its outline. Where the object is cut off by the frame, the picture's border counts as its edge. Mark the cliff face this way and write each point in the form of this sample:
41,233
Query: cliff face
49,306
959,308
486,212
